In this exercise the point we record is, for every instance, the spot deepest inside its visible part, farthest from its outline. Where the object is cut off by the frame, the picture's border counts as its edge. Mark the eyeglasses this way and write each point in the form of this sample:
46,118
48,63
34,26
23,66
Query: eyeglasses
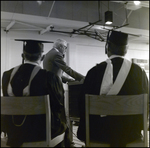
65,47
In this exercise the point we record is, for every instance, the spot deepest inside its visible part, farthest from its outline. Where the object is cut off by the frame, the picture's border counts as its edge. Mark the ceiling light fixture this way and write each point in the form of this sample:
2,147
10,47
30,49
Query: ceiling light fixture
40,2
108,16
137,2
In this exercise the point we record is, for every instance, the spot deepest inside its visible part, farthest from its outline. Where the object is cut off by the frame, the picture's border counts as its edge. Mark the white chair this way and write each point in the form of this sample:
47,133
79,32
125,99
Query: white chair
116,105
32,105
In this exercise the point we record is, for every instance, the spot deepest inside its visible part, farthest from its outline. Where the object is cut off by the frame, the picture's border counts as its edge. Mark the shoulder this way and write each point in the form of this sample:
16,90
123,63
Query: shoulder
136,67
101,65
98,68
137,72
8,72
55,52
52,75
6,77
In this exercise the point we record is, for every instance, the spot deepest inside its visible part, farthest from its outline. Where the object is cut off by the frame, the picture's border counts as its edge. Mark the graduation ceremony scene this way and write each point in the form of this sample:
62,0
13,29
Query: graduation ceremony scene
75,74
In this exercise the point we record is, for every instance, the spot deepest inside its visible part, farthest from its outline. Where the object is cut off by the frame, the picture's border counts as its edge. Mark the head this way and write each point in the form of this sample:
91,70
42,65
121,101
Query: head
116,44
61,45
33,50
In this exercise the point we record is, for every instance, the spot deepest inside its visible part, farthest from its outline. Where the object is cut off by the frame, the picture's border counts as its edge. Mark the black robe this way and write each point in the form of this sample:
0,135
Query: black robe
116,130
34,127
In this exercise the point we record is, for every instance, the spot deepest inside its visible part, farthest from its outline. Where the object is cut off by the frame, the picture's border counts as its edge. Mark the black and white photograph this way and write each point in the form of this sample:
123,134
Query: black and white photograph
75,74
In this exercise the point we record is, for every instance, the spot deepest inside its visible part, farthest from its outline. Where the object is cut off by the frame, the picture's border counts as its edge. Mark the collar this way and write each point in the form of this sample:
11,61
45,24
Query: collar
115,56
56,49
59,51
33,63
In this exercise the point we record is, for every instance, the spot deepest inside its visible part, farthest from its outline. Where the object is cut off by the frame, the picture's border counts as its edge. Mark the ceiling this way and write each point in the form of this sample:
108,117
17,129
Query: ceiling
74,18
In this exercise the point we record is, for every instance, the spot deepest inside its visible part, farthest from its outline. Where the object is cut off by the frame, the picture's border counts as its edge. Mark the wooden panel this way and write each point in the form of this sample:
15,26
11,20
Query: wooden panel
94,55
124,105
21,105
32,105
117,105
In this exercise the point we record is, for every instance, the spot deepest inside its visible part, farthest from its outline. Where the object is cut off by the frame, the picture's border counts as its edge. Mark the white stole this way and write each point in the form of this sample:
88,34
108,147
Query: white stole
107,86
26,90
121,77
107,81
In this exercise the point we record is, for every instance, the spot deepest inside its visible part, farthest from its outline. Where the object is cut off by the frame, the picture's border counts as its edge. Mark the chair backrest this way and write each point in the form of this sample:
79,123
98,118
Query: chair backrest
31,105
116,105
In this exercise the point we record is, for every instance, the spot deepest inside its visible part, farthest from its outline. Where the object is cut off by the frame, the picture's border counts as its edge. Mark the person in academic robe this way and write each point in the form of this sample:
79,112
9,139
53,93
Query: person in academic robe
116,130
15,82
54,62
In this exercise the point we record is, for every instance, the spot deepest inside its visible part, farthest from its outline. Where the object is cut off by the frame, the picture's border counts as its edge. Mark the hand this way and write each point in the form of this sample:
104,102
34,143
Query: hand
82,80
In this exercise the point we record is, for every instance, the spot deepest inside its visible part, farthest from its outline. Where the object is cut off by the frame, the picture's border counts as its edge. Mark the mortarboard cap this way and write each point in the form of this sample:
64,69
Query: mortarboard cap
33,46
118,38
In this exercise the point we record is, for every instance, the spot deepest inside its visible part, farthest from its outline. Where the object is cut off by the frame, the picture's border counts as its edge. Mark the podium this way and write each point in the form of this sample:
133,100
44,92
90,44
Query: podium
74,90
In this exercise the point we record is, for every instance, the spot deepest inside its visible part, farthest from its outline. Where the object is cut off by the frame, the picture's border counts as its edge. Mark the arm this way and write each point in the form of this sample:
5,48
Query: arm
145,83
5,81
65,79
145,86
62,65
56,91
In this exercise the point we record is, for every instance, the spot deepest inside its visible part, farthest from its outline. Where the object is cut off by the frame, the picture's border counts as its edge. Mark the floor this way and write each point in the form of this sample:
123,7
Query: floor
79,143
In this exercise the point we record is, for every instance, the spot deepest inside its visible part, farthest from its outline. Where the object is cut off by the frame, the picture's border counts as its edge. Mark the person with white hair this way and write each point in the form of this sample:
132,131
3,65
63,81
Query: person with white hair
54,62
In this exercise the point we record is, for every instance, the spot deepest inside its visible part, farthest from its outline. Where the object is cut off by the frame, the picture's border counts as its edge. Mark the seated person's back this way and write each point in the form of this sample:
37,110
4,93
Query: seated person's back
32,127
116,130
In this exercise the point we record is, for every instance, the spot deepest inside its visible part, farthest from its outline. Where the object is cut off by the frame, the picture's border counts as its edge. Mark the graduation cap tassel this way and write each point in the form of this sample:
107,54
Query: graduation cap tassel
22,60
23,50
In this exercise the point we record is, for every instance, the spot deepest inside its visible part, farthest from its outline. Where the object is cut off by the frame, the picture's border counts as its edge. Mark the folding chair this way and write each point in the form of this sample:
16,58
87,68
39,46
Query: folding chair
32,105
116,105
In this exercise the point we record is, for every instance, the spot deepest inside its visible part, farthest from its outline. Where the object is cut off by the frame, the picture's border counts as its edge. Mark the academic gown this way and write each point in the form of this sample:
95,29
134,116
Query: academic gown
34,127
116,130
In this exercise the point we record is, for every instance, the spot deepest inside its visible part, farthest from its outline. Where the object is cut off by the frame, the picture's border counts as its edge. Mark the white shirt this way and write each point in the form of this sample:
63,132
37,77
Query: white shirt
33,63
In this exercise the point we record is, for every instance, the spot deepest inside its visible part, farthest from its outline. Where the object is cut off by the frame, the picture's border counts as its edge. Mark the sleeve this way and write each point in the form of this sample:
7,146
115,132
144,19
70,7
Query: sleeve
65,79
56,91
145,86
5,81
59,61
145,82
